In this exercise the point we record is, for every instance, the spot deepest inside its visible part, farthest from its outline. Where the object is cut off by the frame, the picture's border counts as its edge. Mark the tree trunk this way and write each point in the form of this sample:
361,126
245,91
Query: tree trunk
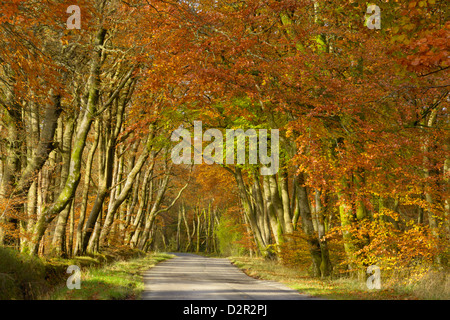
429,196
143,243
127,187
325,264
186,224
287,211
308,227
178,236
60,230
447,189
71,230
106,162
43,148
13,122
197,249
84,198
249,211
73,179
274,209
262,218
143,195
347,218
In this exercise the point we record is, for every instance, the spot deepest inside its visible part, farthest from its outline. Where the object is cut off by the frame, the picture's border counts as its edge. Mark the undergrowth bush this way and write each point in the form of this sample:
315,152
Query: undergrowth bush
21,276
229,234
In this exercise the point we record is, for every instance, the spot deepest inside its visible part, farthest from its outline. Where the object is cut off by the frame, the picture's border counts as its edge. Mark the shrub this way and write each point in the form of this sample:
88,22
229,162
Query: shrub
229,232
21,276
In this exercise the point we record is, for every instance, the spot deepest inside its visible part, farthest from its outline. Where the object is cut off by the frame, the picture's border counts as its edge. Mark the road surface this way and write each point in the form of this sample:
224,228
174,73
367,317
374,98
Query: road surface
193,277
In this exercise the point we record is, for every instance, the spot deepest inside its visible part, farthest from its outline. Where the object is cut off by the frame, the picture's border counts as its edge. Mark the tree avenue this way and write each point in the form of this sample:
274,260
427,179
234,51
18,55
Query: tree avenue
354,122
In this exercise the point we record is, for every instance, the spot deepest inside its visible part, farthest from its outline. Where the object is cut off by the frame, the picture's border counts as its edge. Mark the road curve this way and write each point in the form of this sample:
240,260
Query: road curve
193,277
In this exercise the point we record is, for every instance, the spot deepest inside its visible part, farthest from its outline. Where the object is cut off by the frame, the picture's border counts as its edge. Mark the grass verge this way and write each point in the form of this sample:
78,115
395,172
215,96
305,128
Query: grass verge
119,280
336,289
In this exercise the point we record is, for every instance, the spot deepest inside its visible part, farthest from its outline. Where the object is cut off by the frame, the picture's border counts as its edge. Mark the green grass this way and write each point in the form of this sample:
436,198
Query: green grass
27,277
119,280
343,288
21,276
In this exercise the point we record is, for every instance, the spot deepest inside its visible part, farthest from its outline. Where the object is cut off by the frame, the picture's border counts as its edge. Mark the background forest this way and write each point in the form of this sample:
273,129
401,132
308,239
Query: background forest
87,115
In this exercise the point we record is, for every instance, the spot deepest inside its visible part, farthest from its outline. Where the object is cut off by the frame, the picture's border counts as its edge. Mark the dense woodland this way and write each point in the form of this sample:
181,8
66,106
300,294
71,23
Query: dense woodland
87,117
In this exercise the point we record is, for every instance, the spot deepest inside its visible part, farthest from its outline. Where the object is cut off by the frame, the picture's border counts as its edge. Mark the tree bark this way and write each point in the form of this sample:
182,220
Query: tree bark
287,211
60,230
143,243
84,198
308,227
144,197
13,122
325,265
186,224
80,141
249,211
127,187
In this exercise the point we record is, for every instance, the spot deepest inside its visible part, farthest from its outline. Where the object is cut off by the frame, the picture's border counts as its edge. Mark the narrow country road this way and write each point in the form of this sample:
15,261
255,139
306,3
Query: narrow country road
193,277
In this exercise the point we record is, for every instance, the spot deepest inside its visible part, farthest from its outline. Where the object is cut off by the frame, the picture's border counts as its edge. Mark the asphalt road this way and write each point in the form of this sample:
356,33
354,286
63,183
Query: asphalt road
193,277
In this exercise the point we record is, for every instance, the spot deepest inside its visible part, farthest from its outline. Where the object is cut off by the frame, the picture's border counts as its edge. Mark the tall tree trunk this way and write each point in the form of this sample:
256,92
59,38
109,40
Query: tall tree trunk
32,204
262,218
13,121
308,227
197,248
71,230
106,165
178,236
143,243
73,179
447,189
325,264
126,188
287,211
85,195
186,224
94,244
274,209
346,217
107,147
60,230
429,196
143,195
249,211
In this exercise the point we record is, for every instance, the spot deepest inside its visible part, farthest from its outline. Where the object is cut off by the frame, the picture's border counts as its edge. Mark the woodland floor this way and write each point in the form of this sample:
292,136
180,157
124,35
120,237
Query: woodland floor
433,286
